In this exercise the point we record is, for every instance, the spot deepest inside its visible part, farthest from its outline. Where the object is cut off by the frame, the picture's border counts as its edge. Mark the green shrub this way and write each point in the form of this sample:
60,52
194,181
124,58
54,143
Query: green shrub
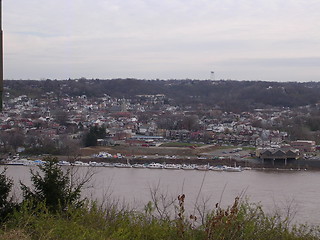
53,187
241,221
6,204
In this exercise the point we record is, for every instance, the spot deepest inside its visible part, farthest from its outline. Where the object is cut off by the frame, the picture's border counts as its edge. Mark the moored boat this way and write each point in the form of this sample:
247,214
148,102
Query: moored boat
246,168
217,168
188,167
64,163
108,164
80,164
155,166
172,166
17,162
137,165
123,165
233,169
202,167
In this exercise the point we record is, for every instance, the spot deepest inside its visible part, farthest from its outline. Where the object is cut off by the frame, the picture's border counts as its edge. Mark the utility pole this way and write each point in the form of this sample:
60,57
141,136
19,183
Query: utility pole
1,61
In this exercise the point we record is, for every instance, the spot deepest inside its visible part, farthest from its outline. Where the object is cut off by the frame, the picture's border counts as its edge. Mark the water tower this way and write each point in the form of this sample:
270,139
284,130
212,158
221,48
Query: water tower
212,76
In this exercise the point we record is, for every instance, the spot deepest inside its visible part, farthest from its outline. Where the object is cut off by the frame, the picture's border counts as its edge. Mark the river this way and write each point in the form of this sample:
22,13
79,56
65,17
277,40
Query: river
297,191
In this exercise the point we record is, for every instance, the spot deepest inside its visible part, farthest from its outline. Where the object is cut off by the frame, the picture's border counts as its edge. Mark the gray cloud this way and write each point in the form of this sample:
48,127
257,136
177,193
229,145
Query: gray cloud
152,39
278,62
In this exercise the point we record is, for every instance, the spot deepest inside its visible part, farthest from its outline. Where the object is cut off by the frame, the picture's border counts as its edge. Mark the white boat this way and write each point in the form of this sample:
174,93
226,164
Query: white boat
233,169
64,163
123,165
34,163
137,165
217,168
188,167
247,168
202,167
80,164
155,166
108,164
172,166
16,162
93,164
29,163
96,164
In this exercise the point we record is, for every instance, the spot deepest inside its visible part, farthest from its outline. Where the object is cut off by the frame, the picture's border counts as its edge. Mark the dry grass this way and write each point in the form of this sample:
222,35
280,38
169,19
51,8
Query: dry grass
14,234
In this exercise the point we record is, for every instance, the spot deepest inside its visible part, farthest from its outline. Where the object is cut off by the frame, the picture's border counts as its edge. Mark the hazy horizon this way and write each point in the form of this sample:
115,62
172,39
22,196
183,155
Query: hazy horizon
239,40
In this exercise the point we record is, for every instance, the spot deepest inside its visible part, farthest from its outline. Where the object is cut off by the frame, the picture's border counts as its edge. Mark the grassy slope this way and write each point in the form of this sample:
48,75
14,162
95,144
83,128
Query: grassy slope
239,221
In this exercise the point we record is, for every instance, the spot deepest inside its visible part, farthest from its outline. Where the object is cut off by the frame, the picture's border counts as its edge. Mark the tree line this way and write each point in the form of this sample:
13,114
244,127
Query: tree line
235,96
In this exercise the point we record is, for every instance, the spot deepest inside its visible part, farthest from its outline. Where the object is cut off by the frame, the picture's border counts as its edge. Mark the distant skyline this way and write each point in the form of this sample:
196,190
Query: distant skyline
269,40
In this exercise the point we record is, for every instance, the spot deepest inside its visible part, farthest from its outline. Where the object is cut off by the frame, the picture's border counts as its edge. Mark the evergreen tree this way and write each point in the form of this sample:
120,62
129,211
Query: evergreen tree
93,135
53,187
5,188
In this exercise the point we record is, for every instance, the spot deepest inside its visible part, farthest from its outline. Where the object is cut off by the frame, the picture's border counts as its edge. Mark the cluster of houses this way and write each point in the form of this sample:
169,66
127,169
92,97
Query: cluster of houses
137,122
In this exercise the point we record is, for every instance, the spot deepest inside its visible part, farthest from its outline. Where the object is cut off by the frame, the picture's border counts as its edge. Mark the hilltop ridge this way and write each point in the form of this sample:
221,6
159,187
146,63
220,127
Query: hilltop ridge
234,96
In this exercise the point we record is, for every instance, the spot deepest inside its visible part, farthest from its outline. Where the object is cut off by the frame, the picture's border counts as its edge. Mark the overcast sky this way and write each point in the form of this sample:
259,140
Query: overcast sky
273,40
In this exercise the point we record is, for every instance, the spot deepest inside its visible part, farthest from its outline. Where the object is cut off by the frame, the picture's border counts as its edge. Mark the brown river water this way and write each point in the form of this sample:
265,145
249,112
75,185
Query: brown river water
296,191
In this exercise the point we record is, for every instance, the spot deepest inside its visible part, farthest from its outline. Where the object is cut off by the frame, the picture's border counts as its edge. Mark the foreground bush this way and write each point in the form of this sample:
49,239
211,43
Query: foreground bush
239,221
53,187
6,203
